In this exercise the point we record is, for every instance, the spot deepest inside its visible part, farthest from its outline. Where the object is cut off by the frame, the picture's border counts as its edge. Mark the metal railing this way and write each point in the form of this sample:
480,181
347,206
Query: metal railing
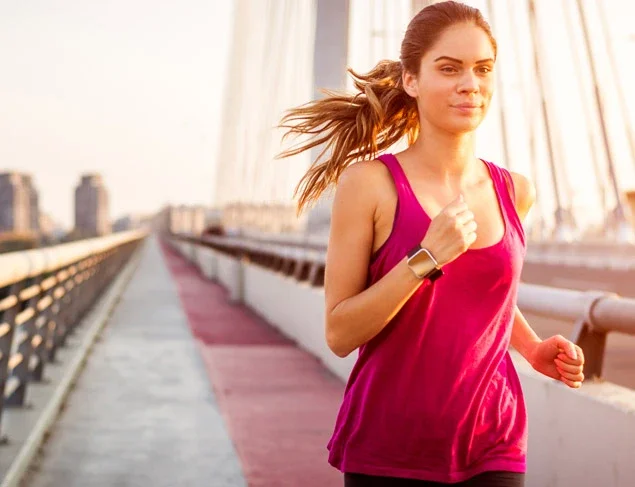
43,295
595,313
302,259
595,255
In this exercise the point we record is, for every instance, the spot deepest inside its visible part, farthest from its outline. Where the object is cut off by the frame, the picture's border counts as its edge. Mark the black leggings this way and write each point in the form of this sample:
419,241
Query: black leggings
485,479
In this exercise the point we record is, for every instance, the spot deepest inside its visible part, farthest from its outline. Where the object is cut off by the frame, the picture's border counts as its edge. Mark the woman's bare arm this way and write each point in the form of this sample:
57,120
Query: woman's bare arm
523,338
354,315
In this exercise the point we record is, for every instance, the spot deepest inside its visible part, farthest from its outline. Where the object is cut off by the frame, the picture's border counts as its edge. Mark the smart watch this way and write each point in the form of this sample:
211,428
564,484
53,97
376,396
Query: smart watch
419,260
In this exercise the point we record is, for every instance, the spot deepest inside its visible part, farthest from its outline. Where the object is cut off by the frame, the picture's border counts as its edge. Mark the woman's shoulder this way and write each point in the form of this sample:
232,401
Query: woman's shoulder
363,183
521,189
372,168
365,176
521,182
525,193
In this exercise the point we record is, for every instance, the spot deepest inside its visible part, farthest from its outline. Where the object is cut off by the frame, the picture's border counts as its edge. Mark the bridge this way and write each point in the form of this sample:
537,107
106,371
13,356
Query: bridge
158,359
167,356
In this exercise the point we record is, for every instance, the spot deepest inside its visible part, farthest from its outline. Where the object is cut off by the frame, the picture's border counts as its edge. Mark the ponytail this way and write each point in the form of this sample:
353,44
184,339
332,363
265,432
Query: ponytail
351,127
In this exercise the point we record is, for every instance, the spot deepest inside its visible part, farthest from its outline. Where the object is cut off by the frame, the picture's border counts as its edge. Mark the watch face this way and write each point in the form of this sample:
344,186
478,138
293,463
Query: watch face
413,251
420,261
422,255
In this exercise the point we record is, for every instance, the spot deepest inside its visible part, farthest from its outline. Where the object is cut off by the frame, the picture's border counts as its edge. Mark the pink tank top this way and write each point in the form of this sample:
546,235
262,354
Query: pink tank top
435,395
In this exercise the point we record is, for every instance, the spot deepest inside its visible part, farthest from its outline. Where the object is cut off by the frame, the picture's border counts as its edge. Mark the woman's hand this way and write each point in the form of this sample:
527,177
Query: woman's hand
451,232
560,359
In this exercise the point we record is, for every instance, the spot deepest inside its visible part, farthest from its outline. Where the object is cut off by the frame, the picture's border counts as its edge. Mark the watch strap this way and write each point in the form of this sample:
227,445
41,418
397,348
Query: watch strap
434,274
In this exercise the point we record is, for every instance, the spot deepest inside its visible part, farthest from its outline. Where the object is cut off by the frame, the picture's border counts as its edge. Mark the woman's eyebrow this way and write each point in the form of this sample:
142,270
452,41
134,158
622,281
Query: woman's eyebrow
448,58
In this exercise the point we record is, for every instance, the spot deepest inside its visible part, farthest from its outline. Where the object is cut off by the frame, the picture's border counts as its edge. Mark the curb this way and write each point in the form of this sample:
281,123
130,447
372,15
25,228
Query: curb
97,320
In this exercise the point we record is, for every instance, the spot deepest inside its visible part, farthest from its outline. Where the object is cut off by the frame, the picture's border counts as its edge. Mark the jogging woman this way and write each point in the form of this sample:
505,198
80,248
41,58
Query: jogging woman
423,265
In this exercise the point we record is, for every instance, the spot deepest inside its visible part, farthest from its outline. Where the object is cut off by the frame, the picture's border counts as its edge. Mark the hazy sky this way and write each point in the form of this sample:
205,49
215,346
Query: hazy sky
133,89
128,88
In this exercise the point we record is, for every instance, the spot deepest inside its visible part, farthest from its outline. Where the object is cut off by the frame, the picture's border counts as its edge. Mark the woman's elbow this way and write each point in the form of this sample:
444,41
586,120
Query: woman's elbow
335,342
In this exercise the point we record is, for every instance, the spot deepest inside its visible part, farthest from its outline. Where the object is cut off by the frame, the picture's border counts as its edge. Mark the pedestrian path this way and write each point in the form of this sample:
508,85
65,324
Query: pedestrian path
186,389
142,413
279,402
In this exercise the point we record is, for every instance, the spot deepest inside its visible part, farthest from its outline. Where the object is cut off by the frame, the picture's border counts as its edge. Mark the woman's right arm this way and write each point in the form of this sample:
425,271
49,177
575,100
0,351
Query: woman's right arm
355,314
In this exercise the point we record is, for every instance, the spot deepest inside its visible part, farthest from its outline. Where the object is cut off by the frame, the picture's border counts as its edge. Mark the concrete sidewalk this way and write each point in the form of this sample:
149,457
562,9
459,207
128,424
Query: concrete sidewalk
142,412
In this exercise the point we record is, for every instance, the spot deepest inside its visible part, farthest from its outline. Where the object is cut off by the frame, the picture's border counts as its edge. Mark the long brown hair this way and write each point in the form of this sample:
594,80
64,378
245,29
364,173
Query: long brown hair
356,127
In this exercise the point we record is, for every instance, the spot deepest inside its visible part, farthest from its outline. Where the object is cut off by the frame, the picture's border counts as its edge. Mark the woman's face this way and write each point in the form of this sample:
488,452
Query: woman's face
455,82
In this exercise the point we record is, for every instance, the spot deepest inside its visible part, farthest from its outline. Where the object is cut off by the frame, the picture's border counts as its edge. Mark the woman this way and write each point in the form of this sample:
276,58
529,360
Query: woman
424,259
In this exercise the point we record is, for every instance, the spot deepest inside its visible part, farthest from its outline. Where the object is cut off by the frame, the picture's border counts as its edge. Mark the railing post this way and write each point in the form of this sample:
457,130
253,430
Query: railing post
316,276
591,338
302,270
41,331
25,323
7,322
57,329
237,293
66,306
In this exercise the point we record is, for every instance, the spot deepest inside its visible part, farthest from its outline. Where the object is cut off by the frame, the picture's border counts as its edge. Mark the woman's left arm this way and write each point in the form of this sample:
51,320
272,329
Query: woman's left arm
555,357
524,338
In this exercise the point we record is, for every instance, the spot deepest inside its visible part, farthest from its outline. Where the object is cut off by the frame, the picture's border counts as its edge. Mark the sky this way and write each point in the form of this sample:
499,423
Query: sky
131,89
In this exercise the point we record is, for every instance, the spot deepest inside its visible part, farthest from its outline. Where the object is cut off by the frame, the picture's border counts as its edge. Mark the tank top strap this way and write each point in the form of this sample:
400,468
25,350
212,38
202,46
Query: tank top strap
398,176
406,200
504,185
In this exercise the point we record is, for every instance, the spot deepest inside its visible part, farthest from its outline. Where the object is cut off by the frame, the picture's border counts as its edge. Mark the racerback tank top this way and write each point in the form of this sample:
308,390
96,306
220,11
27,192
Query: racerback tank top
435,395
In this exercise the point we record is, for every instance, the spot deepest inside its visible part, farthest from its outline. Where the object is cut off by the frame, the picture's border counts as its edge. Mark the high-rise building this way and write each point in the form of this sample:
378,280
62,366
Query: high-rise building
33,203
91,207
19,211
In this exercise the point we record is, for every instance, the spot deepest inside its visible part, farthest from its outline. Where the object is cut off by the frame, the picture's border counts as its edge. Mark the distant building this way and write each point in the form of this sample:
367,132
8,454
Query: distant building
19,204
91,207
183,219
50,230
33,203
131,222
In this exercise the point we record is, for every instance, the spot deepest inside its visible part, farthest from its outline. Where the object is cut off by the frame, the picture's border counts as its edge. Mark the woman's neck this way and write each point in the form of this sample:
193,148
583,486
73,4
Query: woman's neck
446,158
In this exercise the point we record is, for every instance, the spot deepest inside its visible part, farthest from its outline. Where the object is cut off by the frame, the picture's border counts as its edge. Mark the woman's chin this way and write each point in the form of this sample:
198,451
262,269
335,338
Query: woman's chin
462,128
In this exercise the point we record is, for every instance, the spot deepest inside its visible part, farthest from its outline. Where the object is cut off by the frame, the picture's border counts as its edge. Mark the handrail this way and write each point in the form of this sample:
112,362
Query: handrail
20,265
595,313
43,295
606,311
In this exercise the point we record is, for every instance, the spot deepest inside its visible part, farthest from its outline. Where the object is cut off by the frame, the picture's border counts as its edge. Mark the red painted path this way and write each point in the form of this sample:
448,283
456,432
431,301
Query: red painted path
279,402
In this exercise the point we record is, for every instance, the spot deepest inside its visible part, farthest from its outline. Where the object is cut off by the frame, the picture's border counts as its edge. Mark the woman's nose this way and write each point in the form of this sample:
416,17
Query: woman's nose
469,83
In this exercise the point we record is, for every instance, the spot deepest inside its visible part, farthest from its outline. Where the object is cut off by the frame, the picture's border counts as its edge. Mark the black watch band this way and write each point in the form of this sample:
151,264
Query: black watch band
434,274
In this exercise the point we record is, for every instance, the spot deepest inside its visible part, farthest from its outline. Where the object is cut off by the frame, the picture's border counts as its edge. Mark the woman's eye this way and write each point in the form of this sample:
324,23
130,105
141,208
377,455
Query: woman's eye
452,69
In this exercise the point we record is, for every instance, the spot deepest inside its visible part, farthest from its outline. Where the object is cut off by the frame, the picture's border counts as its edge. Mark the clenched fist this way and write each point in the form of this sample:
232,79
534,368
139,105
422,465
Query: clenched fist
451,232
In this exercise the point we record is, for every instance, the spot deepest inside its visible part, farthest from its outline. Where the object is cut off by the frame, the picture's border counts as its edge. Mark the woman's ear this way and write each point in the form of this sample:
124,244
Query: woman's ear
409,81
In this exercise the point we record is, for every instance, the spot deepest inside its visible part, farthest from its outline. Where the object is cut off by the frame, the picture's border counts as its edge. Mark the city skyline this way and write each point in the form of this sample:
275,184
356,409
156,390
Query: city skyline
21,214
